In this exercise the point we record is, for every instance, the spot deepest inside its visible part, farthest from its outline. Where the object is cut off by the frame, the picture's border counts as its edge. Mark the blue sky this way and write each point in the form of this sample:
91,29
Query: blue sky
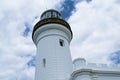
95,25
69,7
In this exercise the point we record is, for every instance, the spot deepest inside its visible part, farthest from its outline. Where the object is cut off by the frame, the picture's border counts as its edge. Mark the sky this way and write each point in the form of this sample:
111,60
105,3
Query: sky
95,25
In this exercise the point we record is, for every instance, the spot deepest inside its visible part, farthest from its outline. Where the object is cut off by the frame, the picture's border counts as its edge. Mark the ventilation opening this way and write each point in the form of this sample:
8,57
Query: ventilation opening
44,62
61,42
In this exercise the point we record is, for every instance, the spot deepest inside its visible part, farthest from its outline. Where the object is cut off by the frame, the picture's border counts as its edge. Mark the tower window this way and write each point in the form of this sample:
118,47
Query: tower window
61,42
44,62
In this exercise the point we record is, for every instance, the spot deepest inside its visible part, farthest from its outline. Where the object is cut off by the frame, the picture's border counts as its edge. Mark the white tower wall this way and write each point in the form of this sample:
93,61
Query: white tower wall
53,61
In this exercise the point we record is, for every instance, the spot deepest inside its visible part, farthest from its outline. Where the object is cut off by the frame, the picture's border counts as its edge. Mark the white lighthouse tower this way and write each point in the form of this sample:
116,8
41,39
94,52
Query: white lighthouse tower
52,36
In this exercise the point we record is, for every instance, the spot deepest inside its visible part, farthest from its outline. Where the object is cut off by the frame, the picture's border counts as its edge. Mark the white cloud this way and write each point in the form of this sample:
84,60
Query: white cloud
14,48
96,29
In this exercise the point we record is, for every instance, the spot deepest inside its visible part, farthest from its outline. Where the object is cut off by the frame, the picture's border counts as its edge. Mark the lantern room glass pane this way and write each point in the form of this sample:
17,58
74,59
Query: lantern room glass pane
51,14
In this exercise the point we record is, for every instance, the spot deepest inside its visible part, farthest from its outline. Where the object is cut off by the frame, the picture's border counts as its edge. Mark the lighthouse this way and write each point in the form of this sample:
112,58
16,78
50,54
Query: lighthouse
52,36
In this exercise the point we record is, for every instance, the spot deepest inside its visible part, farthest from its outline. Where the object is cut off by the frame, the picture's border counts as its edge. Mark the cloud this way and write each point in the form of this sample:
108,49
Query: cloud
17,18
96,29
95,25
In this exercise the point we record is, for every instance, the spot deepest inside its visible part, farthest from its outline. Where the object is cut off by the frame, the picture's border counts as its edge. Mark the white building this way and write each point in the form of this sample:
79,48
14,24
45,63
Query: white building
92,71
52,36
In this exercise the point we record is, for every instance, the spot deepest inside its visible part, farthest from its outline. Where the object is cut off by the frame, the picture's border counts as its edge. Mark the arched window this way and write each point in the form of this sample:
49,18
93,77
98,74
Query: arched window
61,42
44,62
